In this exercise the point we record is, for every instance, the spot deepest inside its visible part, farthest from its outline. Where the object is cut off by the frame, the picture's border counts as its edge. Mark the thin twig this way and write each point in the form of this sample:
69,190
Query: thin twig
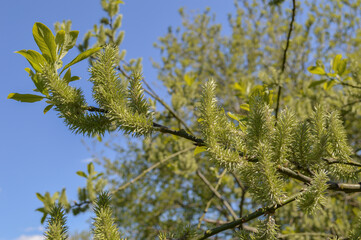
211,199
283,66
217,194
150,169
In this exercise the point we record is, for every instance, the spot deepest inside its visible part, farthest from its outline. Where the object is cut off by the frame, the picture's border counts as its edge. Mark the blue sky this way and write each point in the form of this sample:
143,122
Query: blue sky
37,152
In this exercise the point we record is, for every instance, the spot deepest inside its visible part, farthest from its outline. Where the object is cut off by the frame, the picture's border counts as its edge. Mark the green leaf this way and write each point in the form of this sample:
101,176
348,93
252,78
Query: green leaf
74,78
82,174
43,218
341,69
316,70
189,79
41,210
39,83
335,63
328,85
81,57
40,197
67,76
63,200
69,42
233,116
60,40
35,59
30,98
245,106
47,108
316,83
45,40
90,168
119,2
199,150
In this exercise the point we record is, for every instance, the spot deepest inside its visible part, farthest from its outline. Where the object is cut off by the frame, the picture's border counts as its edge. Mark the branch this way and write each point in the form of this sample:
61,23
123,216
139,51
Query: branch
350,85
259,212
217,194
160,128
181,133
150,169
335,186
334,161
285,55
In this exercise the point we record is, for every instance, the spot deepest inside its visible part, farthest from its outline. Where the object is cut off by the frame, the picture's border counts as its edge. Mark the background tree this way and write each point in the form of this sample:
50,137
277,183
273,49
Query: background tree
267,54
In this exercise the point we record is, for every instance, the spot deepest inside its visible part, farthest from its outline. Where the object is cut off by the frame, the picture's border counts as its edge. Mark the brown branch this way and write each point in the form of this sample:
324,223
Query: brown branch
150,169
181,133
335,186
217,194
334,161
259,212
283,66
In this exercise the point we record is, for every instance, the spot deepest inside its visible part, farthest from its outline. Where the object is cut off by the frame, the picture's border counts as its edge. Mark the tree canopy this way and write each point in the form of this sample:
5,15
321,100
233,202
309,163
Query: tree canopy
259,138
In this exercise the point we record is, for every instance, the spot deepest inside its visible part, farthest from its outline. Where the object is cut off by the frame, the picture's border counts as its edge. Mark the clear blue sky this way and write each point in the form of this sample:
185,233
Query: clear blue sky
37,152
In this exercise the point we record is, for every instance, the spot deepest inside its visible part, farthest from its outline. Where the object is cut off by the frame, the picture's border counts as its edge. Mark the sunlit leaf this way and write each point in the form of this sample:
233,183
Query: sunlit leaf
233,116
316,83
82,174
30,98
45,40
245,106
81,57
35,59
199,149
189,79
316,70
335,62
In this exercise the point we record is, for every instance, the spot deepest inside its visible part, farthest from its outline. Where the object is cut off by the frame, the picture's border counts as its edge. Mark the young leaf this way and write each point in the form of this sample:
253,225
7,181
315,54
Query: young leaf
81,57
67,76
335,63
35,59
47,108
244,106
74,78
82,174
189,79
45,40
90,168
30,98
40,197
69,42
316,83
316,70
60,39
199,149
233,116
